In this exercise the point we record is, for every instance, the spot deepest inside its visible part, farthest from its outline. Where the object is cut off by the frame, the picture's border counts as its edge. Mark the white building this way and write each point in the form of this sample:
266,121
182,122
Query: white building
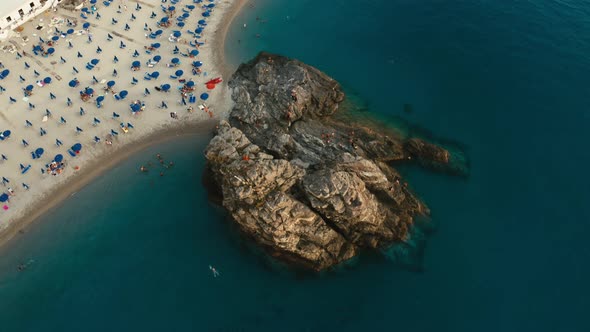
16,12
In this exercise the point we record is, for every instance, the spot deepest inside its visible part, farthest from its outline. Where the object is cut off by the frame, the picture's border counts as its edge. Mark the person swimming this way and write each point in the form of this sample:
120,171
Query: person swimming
214,271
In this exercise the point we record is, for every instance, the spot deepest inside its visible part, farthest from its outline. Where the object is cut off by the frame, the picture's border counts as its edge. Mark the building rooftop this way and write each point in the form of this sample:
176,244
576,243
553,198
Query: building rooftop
8,6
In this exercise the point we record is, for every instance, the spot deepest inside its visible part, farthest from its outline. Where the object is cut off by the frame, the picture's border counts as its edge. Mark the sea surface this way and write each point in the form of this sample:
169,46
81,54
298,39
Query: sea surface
509,81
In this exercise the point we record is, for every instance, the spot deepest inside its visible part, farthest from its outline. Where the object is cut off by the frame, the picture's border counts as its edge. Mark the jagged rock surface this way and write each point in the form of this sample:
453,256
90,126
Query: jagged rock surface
310,189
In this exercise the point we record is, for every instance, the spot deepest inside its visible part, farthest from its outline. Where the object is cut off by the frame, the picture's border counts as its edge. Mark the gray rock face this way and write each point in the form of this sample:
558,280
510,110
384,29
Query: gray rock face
309,188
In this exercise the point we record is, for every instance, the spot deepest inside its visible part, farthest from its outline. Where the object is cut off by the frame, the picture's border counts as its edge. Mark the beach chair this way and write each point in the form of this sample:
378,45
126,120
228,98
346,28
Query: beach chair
147,76
106,3
72,153
117,97
89,66
192,99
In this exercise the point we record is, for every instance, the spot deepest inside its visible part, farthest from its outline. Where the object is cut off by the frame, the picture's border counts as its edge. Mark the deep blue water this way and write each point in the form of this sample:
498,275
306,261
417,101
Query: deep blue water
509,80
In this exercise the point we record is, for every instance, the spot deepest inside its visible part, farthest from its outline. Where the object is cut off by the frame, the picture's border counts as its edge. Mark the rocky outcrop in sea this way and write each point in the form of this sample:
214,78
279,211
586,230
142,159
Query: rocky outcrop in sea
311,189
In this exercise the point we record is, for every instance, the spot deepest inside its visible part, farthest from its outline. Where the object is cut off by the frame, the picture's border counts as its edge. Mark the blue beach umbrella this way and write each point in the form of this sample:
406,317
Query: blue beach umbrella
179,73
171,8
186,15
73,83
164,20
99,99
180,24
206,14
176,34
6,133
165,87
155,74
47,80
84,10
5,72
198,30
76,147
39,152
88,91
55,38
111,84
58,158
202,22
175,60
211,5
123,93
197,63
155,45
194,53
190,84
70,31
51,50
3,197
94,61
157,58
135,107
29,87
135,64
92,2
191,7
158,32
86,25
204,96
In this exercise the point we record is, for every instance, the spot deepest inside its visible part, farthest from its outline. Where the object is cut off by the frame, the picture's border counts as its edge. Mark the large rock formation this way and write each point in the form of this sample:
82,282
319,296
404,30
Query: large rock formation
311,189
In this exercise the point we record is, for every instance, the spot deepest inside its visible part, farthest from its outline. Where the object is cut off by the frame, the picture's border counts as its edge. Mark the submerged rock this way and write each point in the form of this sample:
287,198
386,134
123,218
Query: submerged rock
311,189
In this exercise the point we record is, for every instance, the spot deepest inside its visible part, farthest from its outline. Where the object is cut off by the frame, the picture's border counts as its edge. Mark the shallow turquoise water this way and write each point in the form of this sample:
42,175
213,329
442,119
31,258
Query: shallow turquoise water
509,80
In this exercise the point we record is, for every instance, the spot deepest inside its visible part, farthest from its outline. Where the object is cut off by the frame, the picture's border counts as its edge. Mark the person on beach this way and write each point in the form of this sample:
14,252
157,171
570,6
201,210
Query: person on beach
58,142
51,96
28,123
26,186
69,102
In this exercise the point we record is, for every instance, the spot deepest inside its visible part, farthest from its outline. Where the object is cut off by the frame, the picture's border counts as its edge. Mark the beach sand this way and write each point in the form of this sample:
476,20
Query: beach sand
150,126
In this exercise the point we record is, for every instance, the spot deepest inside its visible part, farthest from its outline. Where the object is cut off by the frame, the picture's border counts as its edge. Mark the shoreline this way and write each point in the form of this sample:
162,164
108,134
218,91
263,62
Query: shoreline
96,165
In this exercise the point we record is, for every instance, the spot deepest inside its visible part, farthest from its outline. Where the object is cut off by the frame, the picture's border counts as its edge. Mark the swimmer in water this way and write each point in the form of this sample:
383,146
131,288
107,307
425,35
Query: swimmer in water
215,272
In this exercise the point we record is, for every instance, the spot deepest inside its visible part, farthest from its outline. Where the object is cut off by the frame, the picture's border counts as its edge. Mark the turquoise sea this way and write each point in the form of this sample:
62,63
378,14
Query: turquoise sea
507,80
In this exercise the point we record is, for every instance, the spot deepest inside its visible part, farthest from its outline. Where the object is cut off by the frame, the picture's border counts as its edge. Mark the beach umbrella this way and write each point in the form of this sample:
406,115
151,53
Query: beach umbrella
211,5
123,94
94,61
135,63
76,147
92,2
88,91
190,84
179,73
73,83
3,197
164,20
84,10
5,72
191,7
111,84
29,87
204,96
39,152
206,14
157,58
135,107
156,45
171,8
198,30
99,99
176,34
47,80
186,15
194,53
180,24
6,133
155,74
51,50
175,60
210,86
202,22
58,158
165,87
86,25
197,63
158,32
70,31
55,38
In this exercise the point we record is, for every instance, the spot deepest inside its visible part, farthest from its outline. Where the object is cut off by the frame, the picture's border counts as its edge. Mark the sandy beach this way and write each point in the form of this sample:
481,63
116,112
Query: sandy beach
31,126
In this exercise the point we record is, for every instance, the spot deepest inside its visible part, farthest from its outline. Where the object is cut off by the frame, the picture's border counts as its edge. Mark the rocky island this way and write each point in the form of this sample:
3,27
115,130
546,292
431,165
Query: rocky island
312,189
